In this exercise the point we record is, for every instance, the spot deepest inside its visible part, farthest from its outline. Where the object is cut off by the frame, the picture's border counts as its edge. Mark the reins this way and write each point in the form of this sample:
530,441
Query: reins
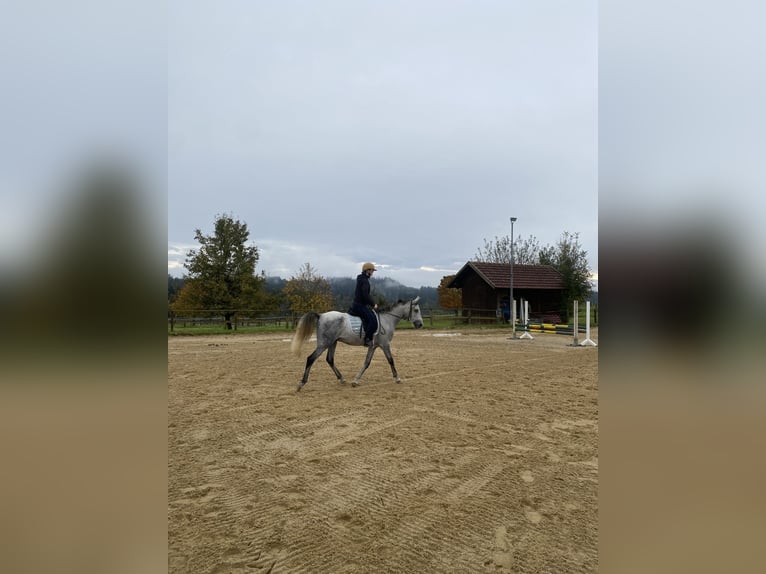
409,316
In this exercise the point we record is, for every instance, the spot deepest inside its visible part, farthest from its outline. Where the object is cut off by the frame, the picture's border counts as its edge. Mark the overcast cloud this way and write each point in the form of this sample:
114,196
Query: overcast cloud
400,133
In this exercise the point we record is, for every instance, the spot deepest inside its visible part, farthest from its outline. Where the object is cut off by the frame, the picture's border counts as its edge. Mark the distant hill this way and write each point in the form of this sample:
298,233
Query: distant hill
385,291
274,285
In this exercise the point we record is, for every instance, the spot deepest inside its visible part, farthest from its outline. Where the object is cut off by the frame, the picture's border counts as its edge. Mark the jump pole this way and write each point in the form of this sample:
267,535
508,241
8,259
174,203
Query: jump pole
587,341
525,320
513,318
575,341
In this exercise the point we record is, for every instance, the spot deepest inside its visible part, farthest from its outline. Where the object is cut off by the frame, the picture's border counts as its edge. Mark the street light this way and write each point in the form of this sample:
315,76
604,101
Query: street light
511,306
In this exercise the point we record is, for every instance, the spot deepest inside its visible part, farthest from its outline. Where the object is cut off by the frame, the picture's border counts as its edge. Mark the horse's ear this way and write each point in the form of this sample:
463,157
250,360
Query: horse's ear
416,299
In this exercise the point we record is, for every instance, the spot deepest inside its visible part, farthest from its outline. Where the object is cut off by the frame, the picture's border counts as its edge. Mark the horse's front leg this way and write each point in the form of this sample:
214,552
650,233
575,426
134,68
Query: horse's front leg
331,361
390,359
367,359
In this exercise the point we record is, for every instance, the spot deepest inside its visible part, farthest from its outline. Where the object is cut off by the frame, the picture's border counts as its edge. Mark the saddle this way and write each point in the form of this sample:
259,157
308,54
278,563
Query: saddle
356,324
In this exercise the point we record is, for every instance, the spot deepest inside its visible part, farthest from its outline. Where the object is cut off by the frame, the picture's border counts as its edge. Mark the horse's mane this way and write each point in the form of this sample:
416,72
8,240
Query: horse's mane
388,308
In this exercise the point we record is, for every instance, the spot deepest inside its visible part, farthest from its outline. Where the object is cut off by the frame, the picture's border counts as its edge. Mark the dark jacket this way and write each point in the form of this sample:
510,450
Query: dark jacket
362,303
362,294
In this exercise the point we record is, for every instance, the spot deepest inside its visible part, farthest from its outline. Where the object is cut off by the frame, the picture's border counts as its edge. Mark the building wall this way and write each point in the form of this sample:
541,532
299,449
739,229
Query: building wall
542,302
478,295
481,298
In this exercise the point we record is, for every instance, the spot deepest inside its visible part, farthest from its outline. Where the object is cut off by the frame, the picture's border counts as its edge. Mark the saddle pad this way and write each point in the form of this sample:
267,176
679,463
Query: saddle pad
356,324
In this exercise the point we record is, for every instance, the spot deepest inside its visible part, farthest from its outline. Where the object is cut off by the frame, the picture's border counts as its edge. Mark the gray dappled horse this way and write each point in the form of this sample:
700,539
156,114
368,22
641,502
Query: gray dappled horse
335,326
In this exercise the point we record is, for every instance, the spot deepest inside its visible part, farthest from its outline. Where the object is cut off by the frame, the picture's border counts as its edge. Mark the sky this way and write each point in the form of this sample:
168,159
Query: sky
401,133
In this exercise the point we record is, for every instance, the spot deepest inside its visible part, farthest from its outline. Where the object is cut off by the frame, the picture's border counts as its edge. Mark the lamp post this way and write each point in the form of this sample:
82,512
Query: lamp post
511,306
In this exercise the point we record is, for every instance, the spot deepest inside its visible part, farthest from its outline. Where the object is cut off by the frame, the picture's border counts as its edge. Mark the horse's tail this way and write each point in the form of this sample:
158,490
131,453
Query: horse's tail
303,331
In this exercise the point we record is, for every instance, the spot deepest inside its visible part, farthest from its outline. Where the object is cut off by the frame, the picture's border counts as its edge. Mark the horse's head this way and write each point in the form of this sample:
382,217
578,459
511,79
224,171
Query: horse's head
414,313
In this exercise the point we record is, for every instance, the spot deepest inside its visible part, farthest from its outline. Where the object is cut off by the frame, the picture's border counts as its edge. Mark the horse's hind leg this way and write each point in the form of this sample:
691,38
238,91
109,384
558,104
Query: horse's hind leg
309,362
331,361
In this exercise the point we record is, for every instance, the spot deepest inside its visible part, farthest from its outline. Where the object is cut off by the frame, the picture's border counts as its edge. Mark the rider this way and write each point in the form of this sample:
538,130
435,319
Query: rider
363,301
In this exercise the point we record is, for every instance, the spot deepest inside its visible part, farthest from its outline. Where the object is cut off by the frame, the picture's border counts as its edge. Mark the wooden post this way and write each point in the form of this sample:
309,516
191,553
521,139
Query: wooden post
576,327
587,340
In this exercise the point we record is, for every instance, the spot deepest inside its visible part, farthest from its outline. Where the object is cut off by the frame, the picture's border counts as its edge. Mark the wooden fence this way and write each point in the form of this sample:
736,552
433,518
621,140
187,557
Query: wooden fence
287,321
238,319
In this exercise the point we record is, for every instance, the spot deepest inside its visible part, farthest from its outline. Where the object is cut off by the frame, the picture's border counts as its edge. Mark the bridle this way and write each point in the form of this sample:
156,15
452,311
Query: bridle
409,315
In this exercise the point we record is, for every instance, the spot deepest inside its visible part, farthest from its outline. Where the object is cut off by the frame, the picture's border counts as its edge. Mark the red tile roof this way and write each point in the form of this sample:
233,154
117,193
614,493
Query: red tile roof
498,276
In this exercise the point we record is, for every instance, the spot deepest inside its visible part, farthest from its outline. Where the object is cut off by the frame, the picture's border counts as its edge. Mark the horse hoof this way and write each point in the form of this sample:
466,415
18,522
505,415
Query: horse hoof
397,380
354,383
300,386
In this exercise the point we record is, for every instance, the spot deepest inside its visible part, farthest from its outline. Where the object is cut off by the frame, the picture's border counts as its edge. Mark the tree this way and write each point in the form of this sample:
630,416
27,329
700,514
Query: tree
308,291
222,271
190,298
547,256
175,285
525,251
571,260
449,298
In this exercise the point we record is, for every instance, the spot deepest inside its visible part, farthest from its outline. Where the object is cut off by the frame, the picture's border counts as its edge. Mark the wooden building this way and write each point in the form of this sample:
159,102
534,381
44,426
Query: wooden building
486,289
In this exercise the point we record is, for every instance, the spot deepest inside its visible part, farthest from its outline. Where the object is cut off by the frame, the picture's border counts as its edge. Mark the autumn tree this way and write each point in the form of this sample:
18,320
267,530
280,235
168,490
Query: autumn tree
222,274
175,285
190,298
308,291
449,298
